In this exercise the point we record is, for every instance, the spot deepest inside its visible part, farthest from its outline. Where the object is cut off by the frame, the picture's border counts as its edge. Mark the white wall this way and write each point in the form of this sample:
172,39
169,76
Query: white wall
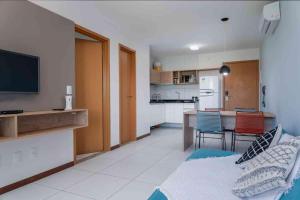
26,157
280,66
92,20
207,60
169,91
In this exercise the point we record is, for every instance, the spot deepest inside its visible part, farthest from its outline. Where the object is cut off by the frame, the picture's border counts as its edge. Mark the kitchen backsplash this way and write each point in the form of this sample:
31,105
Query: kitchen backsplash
173,91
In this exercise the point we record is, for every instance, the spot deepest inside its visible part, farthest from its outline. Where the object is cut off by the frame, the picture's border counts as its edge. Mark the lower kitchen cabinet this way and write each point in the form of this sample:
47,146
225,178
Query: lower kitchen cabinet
174,112
157,114
168,112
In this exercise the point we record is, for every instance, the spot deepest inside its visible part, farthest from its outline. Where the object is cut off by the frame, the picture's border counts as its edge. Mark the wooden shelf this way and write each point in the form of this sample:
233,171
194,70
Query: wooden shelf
8,127
42,122
3,138
47,131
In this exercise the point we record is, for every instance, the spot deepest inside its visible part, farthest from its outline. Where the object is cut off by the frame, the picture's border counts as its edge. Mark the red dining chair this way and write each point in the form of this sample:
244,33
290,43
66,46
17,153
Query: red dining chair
248,124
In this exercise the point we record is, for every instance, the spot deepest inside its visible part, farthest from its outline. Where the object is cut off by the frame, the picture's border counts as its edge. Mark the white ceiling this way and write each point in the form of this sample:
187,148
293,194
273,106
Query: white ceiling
170,26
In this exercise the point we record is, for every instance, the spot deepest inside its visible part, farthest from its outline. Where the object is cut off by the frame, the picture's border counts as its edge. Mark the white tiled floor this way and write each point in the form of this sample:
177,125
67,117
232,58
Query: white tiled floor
130,172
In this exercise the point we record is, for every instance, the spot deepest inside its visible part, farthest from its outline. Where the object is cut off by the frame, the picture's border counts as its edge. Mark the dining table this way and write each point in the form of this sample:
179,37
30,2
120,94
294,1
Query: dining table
227,119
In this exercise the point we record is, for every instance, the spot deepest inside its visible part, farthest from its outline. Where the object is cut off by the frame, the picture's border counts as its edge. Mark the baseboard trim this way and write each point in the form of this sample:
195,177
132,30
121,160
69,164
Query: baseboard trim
143,136
34,178
137,138
115,147
88,157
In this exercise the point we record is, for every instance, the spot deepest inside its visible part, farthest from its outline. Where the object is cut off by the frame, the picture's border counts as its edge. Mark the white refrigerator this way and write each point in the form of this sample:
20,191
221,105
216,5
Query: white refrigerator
209,92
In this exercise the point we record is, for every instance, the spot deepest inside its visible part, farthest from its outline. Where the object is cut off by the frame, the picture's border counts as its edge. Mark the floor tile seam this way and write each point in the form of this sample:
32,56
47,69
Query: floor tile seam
76,194
135,178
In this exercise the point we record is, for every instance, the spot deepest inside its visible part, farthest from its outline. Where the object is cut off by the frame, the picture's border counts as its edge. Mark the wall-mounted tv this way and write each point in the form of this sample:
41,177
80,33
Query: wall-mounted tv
19,73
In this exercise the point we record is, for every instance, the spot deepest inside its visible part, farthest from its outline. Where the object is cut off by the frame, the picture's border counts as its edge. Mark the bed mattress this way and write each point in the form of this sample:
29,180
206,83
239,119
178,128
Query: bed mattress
208,187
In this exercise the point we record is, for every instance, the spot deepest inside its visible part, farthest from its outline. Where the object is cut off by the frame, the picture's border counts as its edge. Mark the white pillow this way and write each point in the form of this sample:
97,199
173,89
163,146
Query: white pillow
295,173
275,141
267,171
268,139
286,137
277,136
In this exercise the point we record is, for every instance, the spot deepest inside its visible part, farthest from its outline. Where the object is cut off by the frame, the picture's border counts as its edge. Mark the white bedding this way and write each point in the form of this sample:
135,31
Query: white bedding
207,179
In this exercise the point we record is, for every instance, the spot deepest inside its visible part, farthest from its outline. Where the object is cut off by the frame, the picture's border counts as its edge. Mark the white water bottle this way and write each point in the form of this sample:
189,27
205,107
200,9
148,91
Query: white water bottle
68,98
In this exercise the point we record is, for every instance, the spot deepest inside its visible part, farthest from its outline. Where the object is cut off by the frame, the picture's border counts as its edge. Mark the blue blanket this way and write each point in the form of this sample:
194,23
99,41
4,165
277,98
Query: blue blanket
293,194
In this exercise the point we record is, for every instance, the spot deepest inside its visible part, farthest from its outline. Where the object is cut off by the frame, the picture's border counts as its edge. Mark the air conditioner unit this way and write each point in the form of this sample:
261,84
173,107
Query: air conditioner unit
270,18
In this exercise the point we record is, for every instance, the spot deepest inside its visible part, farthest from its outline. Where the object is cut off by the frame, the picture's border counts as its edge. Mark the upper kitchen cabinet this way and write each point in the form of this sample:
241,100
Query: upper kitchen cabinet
166,78
174,77
154,77
185,77
163,78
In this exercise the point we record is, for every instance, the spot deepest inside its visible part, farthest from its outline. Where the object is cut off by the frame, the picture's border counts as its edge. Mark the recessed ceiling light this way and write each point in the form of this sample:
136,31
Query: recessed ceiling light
194,47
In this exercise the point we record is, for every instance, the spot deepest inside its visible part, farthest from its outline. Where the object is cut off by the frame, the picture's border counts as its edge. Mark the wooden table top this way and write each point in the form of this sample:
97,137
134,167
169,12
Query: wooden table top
229,113
42,112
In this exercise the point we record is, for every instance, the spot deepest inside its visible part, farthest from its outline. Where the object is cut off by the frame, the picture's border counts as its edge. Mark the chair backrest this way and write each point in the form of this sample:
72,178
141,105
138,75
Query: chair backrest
209,121
250,122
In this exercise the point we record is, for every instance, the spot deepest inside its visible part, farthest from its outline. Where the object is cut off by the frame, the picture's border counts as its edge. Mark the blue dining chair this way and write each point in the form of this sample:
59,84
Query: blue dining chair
209,123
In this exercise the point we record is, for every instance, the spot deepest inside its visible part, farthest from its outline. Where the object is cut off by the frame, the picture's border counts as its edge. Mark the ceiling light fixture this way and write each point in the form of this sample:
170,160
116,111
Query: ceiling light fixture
194,47
224,70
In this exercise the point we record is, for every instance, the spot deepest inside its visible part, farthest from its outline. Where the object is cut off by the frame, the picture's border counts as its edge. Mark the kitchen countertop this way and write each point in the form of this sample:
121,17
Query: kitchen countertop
172,101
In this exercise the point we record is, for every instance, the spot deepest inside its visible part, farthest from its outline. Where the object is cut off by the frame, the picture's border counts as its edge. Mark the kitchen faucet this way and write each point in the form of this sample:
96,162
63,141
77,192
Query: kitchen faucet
178,93
156,96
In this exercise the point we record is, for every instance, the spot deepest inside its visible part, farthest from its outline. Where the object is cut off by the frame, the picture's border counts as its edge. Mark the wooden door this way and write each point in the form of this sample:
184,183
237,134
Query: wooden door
88,73
127,95
241,86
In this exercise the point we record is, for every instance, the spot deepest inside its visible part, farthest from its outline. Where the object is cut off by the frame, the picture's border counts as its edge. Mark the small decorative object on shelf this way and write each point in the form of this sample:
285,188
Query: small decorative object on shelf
157,66
68,97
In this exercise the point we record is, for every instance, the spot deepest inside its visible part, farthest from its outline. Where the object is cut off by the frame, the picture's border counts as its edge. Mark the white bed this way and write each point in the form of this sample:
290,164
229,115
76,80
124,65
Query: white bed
208,179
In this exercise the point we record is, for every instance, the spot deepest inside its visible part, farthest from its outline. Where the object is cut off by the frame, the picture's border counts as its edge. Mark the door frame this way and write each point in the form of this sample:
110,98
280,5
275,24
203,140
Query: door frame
258,81
133,81
106,84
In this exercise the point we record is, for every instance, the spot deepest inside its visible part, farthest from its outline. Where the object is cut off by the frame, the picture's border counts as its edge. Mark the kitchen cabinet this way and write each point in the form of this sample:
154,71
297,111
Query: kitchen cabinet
166,77
168,112
185,77
188,106
154,77
174,112
174,77
157,114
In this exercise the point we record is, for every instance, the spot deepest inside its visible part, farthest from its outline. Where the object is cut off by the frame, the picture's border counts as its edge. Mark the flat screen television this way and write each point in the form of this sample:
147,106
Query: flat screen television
19,73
